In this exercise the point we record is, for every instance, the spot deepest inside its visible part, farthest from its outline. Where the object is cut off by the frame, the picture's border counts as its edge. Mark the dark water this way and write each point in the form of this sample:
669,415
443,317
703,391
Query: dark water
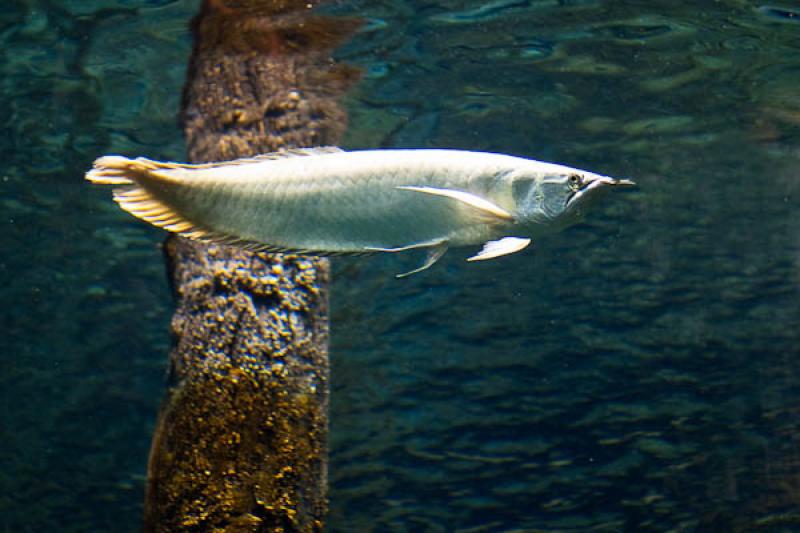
638,372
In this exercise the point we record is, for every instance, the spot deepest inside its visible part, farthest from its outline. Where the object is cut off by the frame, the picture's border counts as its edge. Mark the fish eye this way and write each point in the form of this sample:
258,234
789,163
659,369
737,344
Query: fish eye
575,181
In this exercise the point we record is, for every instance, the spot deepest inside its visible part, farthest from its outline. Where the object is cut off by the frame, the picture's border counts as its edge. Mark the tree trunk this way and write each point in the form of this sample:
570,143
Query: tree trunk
241,440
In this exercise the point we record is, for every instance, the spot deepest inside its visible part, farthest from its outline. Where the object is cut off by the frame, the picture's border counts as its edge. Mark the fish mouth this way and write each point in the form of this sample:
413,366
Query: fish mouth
595,184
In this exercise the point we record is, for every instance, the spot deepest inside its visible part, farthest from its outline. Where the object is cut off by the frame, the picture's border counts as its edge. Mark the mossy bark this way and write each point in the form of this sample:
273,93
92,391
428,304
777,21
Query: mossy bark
241,440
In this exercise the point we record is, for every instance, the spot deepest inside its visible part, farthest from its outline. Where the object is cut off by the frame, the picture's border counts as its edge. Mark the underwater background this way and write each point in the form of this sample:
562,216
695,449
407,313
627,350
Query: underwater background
637,372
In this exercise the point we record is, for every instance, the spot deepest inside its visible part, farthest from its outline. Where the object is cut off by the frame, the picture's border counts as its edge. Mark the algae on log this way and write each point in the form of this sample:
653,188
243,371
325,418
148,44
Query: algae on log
241,440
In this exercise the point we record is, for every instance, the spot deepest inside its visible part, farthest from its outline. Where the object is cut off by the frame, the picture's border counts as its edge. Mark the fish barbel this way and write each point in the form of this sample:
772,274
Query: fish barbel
326,201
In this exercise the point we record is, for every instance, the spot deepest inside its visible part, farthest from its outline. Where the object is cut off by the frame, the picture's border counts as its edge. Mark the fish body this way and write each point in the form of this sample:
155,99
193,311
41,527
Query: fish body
327,201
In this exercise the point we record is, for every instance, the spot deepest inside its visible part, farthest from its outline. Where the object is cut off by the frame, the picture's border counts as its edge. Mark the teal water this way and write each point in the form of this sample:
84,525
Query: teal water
638,372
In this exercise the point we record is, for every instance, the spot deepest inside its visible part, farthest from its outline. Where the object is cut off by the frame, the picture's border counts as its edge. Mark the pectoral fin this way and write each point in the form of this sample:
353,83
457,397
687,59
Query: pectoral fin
504,246
491,211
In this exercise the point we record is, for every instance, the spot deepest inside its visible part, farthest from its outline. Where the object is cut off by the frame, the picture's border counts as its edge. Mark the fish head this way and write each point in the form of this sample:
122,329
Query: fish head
554,196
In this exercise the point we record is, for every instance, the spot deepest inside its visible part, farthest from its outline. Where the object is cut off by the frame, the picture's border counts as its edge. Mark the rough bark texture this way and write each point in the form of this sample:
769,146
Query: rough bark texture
241,441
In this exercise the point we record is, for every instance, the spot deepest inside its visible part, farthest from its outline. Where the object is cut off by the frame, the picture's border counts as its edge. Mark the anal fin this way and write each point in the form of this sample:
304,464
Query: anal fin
504,246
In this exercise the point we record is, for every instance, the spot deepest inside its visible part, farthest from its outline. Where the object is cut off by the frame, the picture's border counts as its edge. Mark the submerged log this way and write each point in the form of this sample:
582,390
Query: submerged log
241,440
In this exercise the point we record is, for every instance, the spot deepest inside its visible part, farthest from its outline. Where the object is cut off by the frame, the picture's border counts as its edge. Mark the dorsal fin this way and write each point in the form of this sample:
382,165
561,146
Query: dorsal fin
111,170
271,156
298,152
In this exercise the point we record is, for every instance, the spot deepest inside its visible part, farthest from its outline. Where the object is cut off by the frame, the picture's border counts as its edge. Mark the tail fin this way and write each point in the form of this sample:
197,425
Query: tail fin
134,191
131,191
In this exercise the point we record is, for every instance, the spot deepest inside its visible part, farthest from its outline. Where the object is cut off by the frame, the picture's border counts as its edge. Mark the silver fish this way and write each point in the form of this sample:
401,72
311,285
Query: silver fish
327,201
